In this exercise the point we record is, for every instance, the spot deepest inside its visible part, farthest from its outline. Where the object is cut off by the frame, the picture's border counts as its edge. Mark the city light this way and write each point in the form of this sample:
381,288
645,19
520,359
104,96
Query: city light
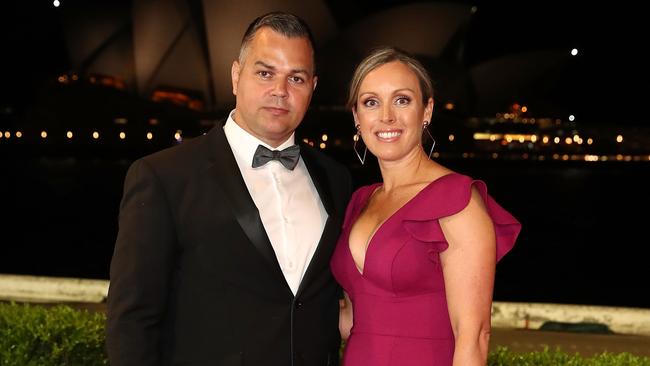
122,135
95,135
619,138
574,52
7,134
322,145
149,135
44,134
324,137
19,134
69,134
451,137
56,3
572,118
556,140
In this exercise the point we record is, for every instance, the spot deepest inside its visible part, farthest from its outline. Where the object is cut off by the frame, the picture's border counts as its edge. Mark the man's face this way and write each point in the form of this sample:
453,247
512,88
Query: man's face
273,86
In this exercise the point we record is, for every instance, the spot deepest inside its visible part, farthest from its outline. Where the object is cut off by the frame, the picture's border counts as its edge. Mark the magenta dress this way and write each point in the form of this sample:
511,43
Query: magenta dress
400,309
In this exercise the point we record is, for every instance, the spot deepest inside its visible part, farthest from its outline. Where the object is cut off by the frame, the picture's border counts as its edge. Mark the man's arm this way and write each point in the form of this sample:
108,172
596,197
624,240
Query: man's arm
140,270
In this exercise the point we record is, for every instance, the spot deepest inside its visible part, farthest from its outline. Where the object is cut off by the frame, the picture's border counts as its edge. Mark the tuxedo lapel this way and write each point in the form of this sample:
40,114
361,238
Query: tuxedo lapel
319,178
225,172
328,238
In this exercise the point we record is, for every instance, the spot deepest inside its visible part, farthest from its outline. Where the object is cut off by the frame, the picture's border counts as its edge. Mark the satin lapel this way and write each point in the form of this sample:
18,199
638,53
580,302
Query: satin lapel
319,177
227,175
328,238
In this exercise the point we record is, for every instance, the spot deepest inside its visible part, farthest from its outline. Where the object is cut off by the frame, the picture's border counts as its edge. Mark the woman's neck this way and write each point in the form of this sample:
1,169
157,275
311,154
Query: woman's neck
413,168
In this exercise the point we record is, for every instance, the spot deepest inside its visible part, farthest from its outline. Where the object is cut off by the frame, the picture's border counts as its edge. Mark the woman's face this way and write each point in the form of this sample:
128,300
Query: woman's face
390,111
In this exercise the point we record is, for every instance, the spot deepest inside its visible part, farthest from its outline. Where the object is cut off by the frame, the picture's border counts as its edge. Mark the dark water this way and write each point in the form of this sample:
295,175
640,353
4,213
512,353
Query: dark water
584,238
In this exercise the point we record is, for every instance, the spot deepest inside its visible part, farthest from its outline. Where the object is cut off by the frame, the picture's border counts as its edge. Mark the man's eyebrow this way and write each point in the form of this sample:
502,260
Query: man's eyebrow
260,63
298,71
293,71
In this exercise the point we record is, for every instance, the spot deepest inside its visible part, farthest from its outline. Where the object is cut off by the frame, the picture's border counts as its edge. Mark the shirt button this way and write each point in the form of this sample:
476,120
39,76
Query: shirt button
286,220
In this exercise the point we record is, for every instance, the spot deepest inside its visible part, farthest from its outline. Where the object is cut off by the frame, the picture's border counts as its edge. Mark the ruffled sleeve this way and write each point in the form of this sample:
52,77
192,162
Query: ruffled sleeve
449,195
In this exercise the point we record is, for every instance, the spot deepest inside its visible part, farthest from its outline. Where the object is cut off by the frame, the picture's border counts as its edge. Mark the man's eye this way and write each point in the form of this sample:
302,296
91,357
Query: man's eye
296,79
264,74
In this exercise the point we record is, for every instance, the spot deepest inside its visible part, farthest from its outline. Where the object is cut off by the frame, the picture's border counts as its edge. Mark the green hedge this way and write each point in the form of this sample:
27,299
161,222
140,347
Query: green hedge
62,336
503,357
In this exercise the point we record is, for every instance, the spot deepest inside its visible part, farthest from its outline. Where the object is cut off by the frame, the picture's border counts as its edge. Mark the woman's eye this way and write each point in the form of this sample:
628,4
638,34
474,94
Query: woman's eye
370,103
402,100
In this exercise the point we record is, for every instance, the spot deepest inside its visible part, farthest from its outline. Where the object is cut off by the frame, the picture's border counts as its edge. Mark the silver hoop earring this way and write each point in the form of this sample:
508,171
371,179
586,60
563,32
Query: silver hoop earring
425,129
357,138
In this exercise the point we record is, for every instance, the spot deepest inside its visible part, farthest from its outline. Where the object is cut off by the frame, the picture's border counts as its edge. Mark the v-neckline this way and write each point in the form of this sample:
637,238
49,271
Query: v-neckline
375,187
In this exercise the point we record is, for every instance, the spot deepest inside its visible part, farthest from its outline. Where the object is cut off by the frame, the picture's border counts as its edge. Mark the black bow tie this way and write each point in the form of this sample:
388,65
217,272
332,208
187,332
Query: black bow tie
288,157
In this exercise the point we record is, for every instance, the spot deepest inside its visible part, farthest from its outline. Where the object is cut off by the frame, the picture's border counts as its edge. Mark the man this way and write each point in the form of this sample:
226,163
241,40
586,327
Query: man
222,256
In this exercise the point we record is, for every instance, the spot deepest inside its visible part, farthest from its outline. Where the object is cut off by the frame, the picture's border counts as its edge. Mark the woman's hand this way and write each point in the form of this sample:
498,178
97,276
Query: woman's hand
345,317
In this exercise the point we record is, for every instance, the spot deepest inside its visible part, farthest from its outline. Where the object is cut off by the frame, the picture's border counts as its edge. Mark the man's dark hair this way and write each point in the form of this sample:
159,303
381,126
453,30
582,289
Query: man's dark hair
289,25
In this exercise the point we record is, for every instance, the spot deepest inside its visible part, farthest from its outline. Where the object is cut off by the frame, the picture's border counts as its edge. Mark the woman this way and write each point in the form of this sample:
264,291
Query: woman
417,253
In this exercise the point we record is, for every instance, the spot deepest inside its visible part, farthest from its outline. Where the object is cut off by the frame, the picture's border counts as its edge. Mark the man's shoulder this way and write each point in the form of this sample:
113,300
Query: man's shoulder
184,158
178,154
323,159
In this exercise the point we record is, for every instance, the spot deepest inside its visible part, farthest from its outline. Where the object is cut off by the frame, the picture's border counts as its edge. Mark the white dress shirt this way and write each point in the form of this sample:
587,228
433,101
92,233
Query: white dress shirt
289,205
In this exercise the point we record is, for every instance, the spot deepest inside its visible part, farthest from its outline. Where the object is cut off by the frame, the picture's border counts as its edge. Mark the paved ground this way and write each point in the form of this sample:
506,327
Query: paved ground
526,340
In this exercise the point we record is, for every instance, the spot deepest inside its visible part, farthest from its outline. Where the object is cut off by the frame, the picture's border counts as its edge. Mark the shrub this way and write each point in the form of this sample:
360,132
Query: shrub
60,335
503,357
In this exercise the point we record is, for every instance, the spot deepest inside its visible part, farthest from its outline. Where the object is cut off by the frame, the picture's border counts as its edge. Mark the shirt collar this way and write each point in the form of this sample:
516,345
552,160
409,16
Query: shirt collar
243,144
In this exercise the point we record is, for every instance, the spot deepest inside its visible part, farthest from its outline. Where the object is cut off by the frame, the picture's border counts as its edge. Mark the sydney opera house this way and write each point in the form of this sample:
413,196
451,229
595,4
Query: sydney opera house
147,74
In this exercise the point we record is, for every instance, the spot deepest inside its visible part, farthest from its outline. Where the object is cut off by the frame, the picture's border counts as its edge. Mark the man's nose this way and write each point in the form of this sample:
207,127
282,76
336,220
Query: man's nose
280,88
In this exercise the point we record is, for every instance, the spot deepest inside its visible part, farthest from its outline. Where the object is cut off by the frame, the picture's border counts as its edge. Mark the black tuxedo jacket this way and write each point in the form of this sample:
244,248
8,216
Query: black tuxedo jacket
194,278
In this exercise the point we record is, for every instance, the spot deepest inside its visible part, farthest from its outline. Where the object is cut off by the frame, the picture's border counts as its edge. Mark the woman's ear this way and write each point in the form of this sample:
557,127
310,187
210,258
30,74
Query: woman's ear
428,110
354,115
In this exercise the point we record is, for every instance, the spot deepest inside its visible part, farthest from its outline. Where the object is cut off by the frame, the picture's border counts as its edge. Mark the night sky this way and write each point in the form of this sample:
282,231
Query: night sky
605,85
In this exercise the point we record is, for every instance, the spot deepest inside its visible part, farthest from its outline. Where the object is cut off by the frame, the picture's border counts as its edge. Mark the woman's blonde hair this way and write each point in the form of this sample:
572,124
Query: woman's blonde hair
381,56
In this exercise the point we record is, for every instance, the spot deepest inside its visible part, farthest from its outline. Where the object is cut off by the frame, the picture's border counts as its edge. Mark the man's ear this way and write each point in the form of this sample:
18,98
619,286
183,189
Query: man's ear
315,82
234,75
